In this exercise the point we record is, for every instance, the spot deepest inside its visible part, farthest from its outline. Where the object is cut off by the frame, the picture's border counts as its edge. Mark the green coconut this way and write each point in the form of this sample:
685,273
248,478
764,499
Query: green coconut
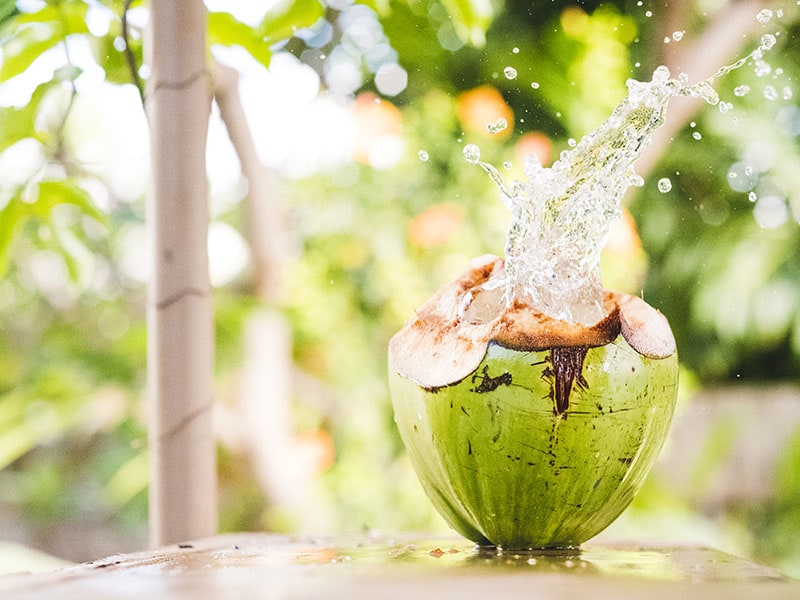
526,431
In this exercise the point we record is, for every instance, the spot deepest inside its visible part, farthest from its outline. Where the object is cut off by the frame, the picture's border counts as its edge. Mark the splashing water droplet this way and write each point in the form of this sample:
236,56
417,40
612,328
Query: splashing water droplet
535,85
767,41
678,35
763,68
770,93
667,39
510,73
571,142
741,90
500,125
472,153
648,13
696,135
787,93
507,165
423,156
664,185
764,16
725,107
752,196
515,50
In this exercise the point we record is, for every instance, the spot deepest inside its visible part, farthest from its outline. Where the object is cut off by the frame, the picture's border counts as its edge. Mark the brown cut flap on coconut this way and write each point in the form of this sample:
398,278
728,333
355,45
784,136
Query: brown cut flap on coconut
645,328
521,327
438,347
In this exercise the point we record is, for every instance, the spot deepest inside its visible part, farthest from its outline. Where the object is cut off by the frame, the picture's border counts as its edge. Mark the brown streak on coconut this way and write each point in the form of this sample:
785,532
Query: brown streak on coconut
489,383
567,365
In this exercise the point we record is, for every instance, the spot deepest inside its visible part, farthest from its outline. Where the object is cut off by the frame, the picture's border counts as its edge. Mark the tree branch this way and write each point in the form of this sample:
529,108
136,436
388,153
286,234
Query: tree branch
129,57
265,223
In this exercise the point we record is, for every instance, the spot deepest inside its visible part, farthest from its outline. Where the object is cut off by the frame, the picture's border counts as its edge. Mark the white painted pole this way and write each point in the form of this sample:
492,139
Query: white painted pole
183,501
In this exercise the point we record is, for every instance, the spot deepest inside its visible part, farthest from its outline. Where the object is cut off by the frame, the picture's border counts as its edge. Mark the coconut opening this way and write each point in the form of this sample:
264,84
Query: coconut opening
449,335
483,303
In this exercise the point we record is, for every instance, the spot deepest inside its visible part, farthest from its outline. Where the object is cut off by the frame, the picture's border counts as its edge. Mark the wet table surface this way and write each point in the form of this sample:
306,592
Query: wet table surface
277,567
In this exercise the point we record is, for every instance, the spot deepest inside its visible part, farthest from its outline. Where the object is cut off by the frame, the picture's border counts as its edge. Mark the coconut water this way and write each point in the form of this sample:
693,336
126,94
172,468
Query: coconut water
560,216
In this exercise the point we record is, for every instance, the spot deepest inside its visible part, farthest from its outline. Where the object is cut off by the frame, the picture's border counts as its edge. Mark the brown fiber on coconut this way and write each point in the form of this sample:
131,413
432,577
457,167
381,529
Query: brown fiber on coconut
437,347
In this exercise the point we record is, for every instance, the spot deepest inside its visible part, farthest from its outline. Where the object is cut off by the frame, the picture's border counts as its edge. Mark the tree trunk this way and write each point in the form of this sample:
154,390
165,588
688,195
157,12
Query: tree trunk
180,321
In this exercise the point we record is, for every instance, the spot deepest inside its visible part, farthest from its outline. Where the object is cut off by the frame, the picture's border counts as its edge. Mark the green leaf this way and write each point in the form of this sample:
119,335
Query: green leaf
64,191
112,61
28,35
8,9
12,217
77,257
471,19
381,7
72,16
286,17
50,193
15,124
26,46
227,30
69,16
19,123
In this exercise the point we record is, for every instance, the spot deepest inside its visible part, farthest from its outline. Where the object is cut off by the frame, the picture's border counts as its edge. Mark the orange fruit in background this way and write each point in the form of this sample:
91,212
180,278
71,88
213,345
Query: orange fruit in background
435,225
374,119
534,142
483,106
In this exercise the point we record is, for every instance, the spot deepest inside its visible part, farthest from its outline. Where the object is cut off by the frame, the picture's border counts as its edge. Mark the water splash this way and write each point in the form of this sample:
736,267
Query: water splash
472,153
764,16
500,125
560,217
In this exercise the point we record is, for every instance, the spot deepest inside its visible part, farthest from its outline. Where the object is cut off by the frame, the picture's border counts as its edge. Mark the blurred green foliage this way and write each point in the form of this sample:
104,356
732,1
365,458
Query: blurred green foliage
372,244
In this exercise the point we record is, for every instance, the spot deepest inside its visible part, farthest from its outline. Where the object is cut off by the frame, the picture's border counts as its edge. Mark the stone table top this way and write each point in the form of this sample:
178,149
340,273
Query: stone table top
404,567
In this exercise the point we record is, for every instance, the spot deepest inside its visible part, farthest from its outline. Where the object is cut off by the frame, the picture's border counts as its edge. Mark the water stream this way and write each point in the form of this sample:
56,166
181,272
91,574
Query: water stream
560,216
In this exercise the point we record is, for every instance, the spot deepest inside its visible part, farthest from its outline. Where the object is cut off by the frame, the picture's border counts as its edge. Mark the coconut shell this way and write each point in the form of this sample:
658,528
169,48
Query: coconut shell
438,348
527,431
